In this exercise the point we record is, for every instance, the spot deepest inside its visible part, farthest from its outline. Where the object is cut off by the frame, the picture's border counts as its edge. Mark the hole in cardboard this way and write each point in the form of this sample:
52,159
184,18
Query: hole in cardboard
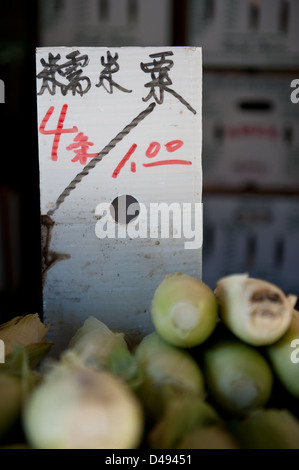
284,16
254,14
133,11
256,105
104,10
251,250
218,132
279,252
124,209
288,135
209,9
59,5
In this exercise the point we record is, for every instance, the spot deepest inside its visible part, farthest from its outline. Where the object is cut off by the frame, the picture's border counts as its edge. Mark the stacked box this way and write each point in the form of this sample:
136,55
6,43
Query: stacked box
252,234
105,23
250,132
250,136
238,33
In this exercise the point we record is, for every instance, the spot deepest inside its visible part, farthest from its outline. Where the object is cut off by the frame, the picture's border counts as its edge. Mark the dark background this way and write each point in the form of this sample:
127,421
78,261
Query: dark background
19,177
20,260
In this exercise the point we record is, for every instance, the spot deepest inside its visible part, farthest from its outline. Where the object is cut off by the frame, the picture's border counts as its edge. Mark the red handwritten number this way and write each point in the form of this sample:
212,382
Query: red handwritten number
81,145
59,129
174,145
152,150
124,161
167,162
170,147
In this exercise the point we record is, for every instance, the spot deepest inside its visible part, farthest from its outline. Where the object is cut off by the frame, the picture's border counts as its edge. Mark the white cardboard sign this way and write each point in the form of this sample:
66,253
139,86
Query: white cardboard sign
115,122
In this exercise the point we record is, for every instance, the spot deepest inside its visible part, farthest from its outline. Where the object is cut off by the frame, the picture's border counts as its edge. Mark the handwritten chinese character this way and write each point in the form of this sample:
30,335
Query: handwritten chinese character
159,68
110,67
58,130
151,152
69,70
81,145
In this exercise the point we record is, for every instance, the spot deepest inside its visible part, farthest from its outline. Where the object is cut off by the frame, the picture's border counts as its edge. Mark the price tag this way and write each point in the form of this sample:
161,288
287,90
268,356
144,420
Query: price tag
119,134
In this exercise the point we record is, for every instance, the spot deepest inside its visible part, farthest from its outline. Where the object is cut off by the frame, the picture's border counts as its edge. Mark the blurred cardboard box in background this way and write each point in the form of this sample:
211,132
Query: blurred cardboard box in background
105,22
245,33
250,132
254,234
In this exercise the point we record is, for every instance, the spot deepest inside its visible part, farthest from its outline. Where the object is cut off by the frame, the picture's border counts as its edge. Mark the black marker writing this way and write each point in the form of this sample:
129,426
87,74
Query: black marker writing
159,69
70,71
110,67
